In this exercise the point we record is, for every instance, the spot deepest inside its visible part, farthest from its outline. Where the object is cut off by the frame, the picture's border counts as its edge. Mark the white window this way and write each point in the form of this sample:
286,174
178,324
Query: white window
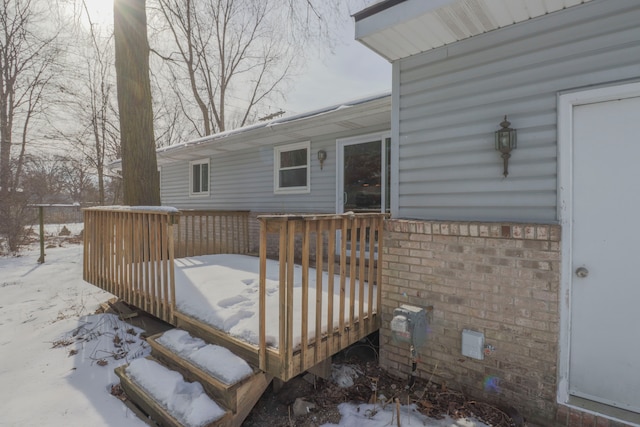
292,172
199,178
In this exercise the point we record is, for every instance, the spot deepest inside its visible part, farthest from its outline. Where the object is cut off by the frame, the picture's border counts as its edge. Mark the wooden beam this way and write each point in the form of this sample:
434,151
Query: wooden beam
304,327
262,305
322,369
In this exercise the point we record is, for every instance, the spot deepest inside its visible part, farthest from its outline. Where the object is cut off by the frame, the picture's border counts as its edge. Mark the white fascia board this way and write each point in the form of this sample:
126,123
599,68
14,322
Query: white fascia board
397,14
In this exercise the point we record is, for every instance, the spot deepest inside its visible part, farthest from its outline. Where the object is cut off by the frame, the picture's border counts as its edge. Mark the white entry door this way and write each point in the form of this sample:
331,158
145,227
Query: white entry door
604,351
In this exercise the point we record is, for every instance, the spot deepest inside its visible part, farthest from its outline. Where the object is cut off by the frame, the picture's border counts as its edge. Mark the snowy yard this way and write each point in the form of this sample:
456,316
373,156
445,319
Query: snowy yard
41,306
58,358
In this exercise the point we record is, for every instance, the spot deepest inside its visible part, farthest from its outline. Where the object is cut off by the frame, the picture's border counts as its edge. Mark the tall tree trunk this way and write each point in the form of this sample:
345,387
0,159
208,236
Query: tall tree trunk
139,166
5,148
6,114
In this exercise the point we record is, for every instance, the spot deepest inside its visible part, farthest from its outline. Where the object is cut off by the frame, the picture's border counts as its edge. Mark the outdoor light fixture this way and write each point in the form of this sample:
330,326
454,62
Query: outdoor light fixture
322,156
505,142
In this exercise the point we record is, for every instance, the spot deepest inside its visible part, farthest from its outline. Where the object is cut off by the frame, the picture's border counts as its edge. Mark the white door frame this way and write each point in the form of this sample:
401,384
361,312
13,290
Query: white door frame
360,139
566,102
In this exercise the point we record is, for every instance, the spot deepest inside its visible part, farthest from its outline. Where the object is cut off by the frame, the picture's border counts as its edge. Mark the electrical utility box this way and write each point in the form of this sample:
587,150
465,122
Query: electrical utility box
410,325
473,344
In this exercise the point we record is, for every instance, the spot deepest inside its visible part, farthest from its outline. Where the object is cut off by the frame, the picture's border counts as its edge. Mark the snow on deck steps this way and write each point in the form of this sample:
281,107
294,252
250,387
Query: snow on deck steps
217,361
227,378
186,402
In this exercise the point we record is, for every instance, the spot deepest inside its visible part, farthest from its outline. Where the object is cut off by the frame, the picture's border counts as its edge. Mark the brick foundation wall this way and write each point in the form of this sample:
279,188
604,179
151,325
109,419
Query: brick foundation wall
499,279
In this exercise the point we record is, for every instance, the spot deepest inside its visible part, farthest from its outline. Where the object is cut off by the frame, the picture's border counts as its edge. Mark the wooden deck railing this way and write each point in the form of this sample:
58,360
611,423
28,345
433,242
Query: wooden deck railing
204,232
130,251
345,247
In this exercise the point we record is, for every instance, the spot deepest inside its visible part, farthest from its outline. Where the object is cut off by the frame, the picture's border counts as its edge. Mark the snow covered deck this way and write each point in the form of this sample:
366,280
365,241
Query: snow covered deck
222,291
284,316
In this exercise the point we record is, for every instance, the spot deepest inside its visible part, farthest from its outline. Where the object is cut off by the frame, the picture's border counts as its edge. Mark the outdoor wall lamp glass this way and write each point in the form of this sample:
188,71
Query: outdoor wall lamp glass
322,156
505,142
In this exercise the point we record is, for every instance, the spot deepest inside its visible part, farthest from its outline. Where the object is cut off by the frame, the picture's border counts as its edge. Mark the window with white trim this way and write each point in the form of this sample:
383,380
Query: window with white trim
292,171
199,178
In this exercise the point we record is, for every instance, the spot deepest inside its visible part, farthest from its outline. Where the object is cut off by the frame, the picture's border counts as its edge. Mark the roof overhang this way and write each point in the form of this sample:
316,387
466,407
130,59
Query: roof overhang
397,29
353,115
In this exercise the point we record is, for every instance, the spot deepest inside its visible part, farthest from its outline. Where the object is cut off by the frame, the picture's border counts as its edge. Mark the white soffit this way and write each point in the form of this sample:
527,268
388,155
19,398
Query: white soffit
413,26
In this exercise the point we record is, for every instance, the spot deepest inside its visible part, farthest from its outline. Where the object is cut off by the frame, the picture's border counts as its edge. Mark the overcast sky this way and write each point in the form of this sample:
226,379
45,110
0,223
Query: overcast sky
352,72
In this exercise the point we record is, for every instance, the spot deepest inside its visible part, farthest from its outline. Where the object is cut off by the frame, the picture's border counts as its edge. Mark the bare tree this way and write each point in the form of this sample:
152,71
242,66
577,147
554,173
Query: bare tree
139,165
230,59
101,117
218,43
95,128
78,181
43,180
26,61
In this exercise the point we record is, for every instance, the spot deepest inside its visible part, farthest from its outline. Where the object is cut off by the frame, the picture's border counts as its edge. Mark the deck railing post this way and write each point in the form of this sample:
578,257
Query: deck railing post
381,222
304,327
173,219
319,290
352,276
262,341
288,318
86,253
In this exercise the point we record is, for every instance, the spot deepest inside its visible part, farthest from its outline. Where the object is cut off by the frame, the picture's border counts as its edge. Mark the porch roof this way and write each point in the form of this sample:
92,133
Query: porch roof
356,114
397,29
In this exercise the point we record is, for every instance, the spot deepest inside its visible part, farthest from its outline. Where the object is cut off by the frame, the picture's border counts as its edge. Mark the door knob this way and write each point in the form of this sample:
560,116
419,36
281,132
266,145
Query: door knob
582,272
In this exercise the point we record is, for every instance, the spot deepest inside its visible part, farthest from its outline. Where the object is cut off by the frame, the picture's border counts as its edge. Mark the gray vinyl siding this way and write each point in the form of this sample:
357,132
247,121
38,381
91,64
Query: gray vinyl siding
243,180
452,99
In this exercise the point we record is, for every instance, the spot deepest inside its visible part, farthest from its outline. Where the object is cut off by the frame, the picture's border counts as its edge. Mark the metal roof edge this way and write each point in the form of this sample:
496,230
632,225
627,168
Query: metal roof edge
375,8
280,121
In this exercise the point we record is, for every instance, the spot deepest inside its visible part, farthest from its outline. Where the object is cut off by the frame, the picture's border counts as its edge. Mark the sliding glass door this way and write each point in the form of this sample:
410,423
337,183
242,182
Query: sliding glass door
363,178
363,174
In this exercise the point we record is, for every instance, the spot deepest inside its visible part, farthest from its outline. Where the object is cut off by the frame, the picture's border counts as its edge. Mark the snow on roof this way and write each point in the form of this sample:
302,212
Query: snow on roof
271,124
274,122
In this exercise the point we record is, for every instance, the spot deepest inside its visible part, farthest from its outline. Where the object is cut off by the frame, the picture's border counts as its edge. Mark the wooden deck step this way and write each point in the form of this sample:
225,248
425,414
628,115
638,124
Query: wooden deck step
229,381
142,396
246,351
245,394
232,383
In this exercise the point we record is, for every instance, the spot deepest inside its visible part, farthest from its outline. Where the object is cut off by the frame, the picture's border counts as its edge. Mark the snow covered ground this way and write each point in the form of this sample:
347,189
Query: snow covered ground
43,381
368,415
57,358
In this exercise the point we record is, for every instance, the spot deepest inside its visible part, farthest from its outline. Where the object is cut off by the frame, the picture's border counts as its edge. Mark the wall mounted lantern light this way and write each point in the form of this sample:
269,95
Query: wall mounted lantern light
322,156
505,142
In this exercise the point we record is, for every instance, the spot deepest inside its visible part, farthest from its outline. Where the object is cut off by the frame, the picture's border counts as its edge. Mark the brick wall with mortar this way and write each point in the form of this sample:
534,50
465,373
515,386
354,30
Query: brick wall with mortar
499,279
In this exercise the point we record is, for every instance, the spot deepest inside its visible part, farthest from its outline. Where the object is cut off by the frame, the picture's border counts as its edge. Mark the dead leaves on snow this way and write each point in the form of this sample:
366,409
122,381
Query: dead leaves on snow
105,338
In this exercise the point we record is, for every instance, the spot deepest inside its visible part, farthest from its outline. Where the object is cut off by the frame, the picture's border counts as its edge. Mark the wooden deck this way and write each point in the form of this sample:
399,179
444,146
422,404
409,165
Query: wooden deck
132,254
